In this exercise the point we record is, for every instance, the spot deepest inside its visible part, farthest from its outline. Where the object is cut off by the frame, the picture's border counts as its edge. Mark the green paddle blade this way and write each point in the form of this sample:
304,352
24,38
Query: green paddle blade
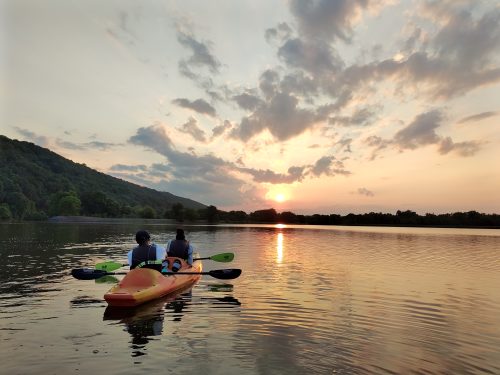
223,257
108,266
107,279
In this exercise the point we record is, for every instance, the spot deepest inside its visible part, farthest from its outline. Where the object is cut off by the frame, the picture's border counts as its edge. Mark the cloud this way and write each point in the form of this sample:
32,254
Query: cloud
247,101
102,146
69,145
49,142
281,115
464,149
345,144
97,145
315,57
198,105
326,165
301,84
281,32
268,82
478,117
464,42
201,55
294,174
191,127
128,168
361,117
39,140
160,168
329,19
420,132
329,166
221,129
378,144
366,192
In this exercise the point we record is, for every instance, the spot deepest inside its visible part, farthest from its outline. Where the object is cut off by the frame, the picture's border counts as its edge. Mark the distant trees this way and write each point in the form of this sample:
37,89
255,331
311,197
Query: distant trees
212,214
265,216
147,212
19,205
190,214
65,203
177,212
401,218
97,203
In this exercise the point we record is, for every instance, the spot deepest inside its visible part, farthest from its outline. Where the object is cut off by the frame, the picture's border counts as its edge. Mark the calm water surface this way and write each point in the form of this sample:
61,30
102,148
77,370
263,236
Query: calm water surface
315,300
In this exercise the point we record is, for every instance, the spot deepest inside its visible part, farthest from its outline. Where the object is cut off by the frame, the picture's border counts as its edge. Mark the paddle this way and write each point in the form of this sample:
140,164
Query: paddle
111,266
91,274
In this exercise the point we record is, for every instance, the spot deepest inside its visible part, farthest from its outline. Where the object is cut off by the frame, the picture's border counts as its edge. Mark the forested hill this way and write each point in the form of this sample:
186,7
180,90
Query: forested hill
36,182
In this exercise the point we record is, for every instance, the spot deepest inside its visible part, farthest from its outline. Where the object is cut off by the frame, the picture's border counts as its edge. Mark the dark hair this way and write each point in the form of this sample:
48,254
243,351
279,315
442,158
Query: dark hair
142,237
180,234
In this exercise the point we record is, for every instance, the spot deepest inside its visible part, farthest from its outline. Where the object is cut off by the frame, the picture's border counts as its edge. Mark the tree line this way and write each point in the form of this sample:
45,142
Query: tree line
16,206
70,203
400,218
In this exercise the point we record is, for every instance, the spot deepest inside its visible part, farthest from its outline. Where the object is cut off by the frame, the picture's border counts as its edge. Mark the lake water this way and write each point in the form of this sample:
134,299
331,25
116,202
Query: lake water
310,300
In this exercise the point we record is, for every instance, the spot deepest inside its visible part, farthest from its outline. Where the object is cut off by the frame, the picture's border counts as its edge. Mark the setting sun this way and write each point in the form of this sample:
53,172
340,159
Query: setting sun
279,197
279,194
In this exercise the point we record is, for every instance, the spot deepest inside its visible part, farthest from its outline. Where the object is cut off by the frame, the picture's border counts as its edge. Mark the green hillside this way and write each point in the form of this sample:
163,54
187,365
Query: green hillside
36,182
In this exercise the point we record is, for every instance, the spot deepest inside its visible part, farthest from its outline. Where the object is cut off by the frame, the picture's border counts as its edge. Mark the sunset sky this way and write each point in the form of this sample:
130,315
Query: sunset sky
312,106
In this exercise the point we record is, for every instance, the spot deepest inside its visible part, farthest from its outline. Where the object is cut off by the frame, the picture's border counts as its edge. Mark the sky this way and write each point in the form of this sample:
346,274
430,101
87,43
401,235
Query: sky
309,106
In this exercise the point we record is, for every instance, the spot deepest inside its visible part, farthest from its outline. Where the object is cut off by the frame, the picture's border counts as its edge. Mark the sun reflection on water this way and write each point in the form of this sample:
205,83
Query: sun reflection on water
279,248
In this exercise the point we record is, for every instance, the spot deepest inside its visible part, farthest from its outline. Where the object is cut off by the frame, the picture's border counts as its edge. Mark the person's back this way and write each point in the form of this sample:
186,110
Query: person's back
146,255
180,247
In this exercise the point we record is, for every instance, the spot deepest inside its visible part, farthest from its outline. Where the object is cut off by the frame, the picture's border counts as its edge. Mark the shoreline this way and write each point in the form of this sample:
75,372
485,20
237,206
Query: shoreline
105,220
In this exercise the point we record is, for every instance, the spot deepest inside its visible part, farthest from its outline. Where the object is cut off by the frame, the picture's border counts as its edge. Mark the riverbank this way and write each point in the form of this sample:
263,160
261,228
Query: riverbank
107,220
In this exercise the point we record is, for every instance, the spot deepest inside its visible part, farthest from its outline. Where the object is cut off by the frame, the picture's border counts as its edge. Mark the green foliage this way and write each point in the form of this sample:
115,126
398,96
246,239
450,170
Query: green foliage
265,216
235,216
36,216
64,203
177,212
19,204
212,214
288,217
147,212
96,203
190,214
5,213
31,175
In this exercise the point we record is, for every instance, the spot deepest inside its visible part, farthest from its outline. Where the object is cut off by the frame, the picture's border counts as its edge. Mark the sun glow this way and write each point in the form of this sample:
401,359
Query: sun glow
279,193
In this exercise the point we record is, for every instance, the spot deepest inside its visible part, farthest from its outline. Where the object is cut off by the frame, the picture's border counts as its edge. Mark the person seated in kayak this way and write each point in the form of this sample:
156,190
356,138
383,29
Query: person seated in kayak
179,248
147,254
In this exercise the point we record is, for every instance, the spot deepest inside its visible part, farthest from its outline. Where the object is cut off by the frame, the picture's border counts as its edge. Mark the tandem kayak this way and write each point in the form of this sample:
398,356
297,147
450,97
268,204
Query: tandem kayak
141,285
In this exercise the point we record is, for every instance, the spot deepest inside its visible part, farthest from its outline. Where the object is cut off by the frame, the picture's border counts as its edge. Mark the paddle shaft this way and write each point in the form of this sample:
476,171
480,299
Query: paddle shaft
92,274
